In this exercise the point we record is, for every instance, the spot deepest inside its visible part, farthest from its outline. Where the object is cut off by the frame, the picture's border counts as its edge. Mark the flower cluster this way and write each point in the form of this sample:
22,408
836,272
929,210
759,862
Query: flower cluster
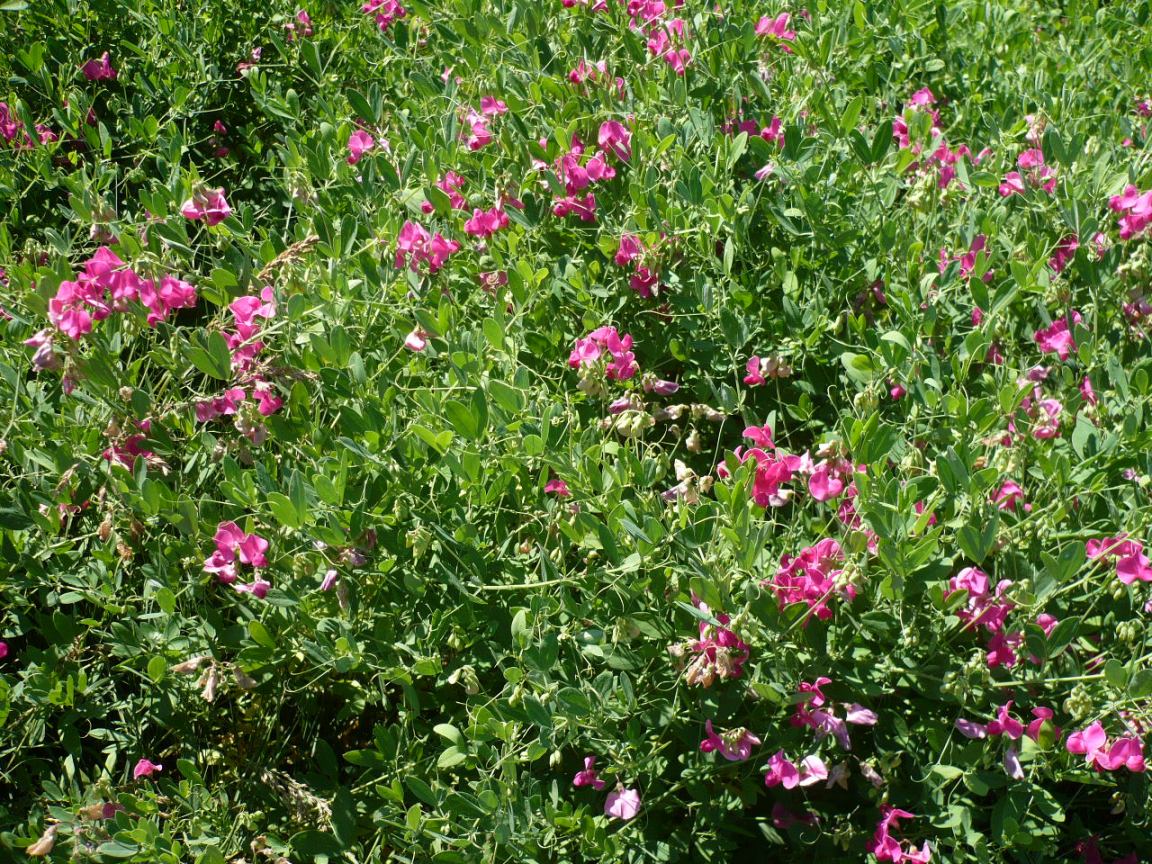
1037,174
812,577
603,352
632,251
234,547
415,246
107,285
1131,563
207,205
1125,751
386,12
718,653
1136,207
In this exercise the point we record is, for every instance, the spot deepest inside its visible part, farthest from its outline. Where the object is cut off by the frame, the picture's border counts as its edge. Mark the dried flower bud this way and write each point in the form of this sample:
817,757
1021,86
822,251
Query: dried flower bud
43,847
190,665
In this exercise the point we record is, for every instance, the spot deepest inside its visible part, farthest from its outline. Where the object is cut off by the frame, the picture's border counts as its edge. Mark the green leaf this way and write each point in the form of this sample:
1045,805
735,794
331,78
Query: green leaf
1115,674
260,634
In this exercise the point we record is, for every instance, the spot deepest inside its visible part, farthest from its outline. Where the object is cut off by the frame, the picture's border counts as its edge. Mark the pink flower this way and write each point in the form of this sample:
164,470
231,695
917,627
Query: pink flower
590,777
1042,715
1047,419
606,340
616,139
359,143
1057,337
329,581
415,246
1013,184
485,223
1137,209
386,12
812,578
257,588
1065,251
735,745
1005,723
754,377
99,70
207,205
267,402
417,340
492,106
1090,743
232,546
1007,495
781,772
144,768
557,487
777,28
719,652
622,803
887,848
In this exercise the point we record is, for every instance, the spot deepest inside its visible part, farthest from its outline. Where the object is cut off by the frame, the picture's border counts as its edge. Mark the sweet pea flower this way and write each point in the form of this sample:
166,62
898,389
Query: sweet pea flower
1057,337
615,138
386,12
777,28
1041,716
415,246
1005,724
99,70
589,776
735,745
1008,495
1012,766
258,588
1047,419
887,848
622,803
1137,209
234,546
417,340
557,487
359,143
207,205
144,768
754,378
971,729
781,772
1063,254
485,223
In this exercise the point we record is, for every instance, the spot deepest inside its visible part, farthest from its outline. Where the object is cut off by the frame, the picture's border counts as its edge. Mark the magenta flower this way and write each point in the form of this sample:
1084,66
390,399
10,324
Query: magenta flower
386,12
812,578
1005,724
606,341
1008,495
233,546
415,246
781,772
622,803
590,777
557,487
1063,254
754,377
257,588
485,223
735,745
207,205
1057,337
1137,209
1047,419
777,28
615,138
1041,716
1090,743
3,649
99,70
359,143
887,848
450,184
144,768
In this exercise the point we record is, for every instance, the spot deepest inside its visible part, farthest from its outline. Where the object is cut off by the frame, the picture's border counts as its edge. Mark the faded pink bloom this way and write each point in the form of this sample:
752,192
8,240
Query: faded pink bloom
735,745
622,803
329,581
971,729
887,848
417,340
1012,766
144,768
1047,419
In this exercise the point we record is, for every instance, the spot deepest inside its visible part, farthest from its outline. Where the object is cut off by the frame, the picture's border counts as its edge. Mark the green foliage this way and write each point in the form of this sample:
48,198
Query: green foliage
483,636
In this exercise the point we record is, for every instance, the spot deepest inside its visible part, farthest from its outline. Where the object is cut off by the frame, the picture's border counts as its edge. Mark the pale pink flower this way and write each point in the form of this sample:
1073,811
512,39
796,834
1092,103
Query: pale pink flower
622,803
207,205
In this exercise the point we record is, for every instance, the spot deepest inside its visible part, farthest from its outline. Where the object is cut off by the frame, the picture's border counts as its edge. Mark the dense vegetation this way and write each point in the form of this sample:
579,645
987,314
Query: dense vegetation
581,430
